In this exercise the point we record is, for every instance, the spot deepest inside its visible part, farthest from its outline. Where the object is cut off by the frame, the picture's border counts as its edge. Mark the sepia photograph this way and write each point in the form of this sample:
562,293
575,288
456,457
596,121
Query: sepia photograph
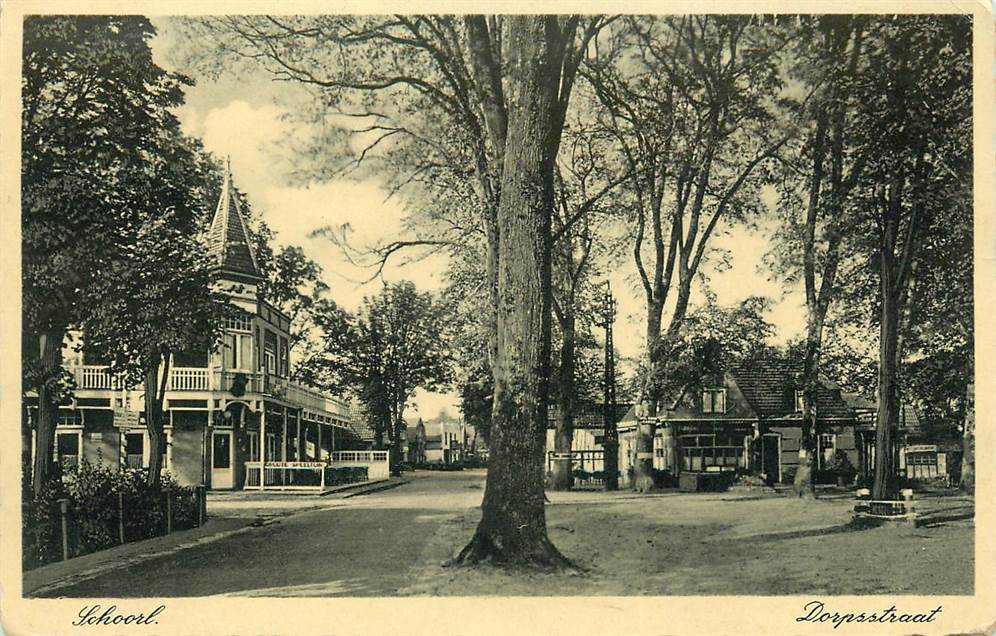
649,304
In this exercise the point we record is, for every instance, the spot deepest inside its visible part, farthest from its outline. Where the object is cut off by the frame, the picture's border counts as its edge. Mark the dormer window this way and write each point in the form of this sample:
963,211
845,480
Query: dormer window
714,401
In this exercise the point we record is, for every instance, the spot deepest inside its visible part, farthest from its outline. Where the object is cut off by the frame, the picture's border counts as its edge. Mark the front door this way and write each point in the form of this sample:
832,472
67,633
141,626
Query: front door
771,457
222,464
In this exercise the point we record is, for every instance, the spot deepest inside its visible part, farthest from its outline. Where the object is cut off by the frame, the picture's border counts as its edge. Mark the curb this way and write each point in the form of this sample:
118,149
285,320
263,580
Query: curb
347,487
104,568
378,488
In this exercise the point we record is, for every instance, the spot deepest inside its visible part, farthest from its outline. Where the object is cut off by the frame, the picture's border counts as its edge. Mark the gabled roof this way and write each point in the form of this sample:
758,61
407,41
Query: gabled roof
228,239
769,385
358,421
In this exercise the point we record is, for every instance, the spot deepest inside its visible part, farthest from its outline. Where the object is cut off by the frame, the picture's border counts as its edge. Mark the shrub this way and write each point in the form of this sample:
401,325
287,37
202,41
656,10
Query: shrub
664,479
748,480
92,491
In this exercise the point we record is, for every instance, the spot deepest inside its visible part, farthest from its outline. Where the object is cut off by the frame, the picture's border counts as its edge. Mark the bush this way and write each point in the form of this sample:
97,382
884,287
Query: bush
749,480
843,467
664,479
92,491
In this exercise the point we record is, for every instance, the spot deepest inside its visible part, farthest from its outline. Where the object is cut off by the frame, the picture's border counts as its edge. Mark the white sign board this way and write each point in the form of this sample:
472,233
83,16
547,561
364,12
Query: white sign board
124,418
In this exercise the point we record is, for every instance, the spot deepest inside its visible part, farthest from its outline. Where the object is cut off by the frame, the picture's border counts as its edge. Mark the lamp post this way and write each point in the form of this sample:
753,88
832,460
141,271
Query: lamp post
610,439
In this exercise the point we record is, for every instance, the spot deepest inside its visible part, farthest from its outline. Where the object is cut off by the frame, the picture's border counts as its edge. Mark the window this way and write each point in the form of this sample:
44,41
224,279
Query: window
714,401
712,452
221,455
799,405
238,351
271,447
283,357
67,449
134,450
253,446
921,459
828,447
241,322
271,361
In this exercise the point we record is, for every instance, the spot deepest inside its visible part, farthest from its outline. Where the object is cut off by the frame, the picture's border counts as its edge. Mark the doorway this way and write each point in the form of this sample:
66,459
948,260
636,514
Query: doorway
222,469
771,460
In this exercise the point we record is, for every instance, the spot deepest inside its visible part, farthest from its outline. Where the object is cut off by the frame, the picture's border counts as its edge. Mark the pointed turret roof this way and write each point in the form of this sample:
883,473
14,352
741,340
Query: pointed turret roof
228,239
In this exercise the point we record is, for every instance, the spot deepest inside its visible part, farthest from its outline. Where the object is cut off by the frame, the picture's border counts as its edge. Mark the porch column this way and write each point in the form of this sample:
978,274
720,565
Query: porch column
300,439
283,450
318,451
283,440
262,448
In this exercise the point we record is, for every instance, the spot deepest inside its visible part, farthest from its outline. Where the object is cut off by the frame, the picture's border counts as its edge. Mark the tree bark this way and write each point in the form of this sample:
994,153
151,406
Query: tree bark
968,443
155,392
643,461
562,477
888,344
50,365
512,529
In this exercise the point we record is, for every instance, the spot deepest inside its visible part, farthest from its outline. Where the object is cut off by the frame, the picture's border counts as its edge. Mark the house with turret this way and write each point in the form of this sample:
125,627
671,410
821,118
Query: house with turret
227,410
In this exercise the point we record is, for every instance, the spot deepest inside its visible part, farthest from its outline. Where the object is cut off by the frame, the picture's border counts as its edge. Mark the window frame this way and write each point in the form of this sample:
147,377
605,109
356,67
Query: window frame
709,405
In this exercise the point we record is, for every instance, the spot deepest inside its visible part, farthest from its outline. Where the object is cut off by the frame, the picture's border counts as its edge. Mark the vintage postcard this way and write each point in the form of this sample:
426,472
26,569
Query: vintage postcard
440,318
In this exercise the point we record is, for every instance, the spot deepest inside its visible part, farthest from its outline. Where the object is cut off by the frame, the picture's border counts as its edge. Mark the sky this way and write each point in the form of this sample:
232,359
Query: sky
243,118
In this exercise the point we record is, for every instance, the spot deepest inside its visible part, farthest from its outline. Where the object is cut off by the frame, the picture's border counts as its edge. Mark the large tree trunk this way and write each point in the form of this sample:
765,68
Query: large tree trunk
398,430
512,529
155,392
643,461
50,365
562,478
804,485
968,443
888,347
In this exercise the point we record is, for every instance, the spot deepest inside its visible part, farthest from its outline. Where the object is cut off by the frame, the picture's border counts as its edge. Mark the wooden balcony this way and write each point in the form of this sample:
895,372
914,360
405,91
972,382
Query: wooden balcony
210,379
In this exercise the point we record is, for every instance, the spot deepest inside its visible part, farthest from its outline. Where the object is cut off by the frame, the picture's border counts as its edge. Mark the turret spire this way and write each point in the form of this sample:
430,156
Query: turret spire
228,240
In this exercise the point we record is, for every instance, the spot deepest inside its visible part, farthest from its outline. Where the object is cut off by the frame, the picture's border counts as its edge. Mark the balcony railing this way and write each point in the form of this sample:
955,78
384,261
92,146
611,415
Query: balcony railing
189,379
202,379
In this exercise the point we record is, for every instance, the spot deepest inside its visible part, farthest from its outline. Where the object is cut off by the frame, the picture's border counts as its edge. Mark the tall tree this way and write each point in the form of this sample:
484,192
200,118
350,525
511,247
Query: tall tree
687,100
94,105
916,125
583,184
500,86
396,344
150,306
820,170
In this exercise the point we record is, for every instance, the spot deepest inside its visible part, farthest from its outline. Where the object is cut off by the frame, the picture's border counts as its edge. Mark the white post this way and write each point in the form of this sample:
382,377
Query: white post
318,451
283,452
262,448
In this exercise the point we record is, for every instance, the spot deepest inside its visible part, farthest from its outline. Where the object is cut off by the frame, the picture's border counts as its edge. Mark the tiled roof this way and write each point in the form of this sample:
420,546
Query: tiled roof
358,421
228,239
587,415
769,385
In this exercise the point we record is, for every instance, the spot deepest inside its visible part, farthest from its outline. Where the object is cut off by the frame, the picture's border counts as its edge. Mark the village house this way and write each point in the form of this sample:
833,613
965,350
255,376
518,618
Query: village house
588,438
746,421
446,440
221,407
749,421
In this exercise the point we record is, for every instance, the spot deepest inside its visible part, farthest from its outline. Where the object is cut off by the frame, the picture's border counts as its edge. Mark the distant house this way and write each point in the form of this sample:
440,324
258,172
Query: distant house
919,452
587,441
415,443
446,440
747,420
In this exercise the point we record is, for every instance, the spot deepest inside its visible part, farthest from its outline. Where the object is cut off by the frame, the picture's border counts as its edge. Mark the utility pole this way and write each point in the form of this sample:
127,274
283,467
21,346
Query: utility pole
610,439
